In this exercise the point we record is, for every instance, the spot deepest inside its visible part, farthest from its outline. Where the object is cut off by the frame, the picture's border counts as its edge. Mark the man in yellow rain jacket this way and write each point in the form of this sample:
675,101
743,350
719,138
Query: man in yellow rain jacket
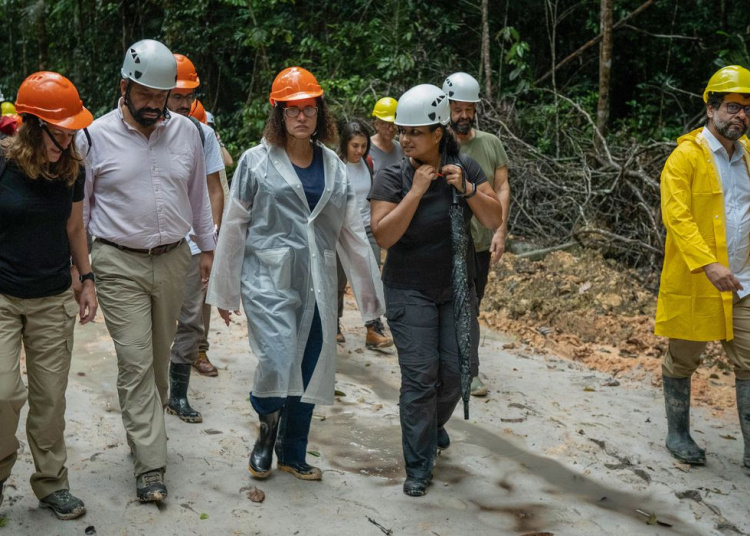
705,282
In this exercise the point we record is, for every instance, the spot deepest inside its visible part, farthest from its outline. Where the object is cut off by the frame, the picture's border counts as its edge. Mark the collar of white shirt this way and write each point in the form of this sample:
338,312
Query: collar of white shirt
716,146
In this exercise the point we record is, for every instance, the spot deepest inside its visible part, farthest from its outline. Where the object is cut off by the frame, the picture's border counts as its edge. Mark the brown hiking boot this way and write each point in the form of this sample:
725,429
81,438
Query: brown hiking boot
204,366
376,337
339,336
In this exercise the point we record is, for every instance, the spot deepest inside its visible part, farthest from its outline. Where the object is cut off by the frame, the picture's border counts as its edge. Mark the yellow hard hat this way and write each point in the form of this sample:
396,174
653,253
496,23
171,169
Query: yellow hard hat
7,108
385,109
731,79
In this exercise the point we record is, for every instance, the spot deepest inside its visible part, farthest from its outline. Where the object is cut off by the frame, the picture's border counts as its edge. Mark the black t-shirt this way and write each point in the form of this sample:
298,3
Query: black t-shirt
423,259
34,248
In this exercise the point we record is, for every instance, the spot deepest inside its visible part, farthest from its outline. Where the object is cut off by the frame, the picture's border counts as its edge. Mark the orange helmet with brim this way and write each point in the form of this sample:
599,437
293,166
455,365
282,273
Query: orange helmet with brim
198,111
294,83
54,99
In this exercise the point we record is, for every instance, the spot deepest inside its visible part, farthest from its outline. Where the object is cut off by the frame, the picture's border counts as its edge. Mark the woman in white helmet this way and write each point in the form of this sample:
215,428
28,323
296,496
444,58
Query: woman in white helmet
410,205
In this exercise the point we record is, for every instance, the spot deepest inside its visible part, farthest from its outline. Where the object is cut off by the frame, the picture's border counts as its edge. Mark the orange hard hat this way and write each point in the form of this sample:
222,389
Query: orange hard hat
198,111
294,83
54,99
187,76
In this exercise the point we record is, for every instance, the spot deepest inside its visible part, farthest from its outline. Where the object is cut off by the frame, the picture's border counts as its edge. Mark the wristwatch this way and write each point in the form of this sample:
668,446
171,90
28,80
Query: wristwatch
84,277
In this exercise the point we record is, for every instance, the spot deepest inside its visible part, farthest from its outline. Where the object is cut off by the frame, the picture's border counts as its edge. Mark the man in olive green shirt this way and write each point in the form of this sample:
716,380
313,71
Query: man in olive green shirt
463,94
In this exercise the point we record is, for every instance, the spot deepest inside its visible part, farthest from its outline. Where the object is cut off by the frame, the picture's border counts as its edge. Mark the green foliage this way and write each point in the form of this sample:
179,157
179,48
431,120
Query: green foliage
362,50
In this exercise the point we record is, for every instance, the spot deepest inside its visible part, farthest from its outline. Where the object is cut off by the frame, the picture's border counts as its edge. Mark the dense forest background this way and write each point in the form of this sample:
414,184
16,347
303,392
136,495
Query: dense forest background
588,95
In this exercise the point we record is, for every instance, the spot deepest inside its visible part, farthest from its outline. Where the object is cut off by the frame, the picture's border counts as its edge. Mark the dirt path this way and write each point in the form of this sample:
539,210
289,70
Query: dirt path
551,450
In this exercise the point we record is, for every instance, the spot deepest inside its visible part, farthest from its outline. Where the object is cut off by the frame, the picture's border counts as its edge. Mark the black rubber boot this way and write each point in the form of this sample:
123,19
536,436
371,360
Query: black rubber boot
677,402
743,408
262,456
179,379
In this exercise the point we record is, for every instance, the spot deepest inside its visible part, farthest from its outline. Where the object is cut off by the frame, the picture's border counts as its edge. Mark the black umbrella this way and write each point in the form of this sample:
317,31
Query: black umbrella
461,303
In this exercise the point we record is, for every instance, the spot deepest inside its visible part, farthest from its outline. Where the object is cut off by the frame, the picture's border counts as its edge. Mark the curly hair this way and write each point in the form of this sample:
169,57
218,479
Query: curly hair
355,127
448,143
325,130
27,150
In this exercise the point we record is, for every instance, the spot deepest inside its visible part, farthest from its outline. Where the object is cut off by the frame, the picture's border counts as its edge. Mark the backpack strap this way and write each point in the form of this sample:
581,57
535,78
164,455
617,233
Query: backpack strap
200,130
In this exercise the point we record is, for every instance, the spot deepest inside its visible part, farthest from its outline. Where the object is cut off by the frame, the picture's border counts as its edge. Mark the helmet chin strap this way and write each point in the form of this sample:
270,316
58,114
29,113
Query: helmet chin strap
50,136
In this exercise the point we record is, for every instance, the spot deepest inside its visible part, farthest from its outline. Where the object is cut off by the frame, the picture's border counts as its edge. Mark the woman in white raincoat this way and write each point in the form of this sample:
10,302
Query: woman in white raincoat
291,207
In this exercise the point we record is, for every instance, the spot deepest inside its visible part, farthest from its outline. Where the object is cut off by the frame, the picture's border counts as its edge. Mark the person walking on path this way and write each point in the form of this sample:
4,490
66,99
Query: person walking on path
291,208
488,151
145,189
410,216
705,281
384,149
354,145
190,323
41,228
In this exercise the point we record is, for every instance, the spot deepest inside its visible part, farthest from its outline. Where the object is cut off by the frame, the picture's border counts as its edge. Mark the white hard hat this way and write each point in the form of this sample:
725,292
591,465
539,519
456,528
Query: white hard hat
461,87
209,118
150,64
423,105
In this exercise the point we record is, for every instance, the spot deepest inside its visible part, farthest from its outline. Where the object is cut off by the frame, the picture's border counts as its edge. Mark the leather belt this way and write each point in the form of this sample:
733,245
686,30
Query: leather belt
158,250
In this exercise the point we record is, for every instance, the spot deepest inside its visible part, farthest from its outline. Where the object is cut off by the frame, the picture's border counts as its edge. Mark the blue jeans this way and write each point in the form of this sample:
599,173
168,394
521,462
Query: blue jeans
294,427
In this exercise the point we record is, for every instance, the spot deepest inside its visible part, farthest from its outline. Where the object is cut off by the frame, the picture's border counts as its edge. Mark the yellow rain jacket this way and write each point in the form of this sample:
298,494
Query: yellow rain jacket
692,205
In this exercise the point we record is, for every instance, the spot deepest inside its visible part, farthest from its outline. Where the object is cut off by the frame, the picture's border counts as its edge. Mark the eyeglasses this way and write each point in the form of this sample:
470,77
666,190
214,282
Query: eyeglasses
190,97
309,111
735,107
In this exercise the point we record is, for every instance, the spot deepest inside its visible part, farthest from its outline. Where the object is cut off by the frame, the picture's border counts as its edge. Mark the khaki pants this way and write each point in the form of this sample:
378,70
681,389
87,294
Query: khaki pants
190,321
45,327
683,357
141,296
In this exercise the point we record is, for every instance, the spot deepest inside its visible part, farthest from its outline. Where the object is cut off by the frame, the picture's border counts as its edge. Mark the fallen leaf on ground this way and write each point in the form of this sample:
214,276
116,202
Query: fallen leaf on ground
256,495
728,436
314,453
684,467
339,393
204,516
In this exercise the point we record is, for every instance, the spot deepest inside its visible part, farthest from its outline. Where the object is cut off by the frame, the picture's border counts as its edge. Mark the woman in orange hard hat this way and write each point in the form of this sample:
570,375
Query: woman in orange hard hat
41,228
290,209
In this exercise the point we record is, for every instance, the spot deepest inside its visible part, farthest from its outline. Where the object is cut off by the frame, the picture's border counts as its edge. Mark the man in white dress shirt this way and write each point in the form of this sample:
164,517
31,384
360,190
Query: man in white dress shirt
145,189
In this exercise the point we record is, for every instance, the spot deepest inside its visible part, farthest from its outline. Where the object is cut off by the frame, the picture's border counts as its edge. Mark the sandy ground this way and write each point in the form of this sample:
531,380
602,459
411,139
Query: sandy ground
553,450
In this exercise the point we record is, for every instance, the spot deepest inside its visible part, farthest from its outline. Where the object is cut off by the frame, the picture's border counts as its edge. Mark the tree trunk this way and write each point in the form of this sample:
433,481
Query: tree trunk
605,70
486,49
41,28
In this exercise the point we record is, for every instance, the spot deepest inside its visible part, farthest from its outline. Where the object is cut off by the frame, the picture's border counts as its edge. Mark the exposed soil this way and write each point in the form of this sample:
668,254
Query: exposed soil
594,311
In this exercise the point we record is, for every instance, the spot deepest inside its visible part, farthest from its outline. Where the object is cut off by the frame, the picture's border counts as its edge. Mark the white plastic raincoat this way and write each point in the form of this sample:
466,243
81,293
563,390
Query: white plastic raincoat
279,259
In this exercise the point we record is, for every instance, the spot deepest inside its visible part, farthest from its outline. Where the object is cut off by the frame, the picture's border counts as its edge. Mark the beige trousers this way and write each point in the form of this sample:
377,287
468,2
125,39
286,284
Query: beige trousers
45,328
683,357
141,296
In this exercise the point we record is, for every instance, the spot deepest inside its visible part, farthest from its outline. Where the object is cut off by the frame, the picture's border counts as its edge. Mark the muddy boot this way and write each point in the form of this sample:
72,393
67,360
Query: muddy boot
262,455
478,388
679,441
339,336
743,408
376,337
179,378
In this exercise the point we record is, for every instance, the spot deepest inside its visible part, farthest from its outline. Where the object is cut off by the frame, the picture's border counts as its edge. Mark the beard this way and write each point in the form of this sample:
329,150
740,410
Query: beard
462,126
731,129
138,114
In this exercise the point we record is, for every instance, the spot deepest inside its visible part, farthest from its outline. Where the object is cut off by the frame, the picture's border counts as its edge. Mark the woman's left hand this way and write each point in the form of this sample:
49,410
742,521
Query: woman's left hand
454,176
87,302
